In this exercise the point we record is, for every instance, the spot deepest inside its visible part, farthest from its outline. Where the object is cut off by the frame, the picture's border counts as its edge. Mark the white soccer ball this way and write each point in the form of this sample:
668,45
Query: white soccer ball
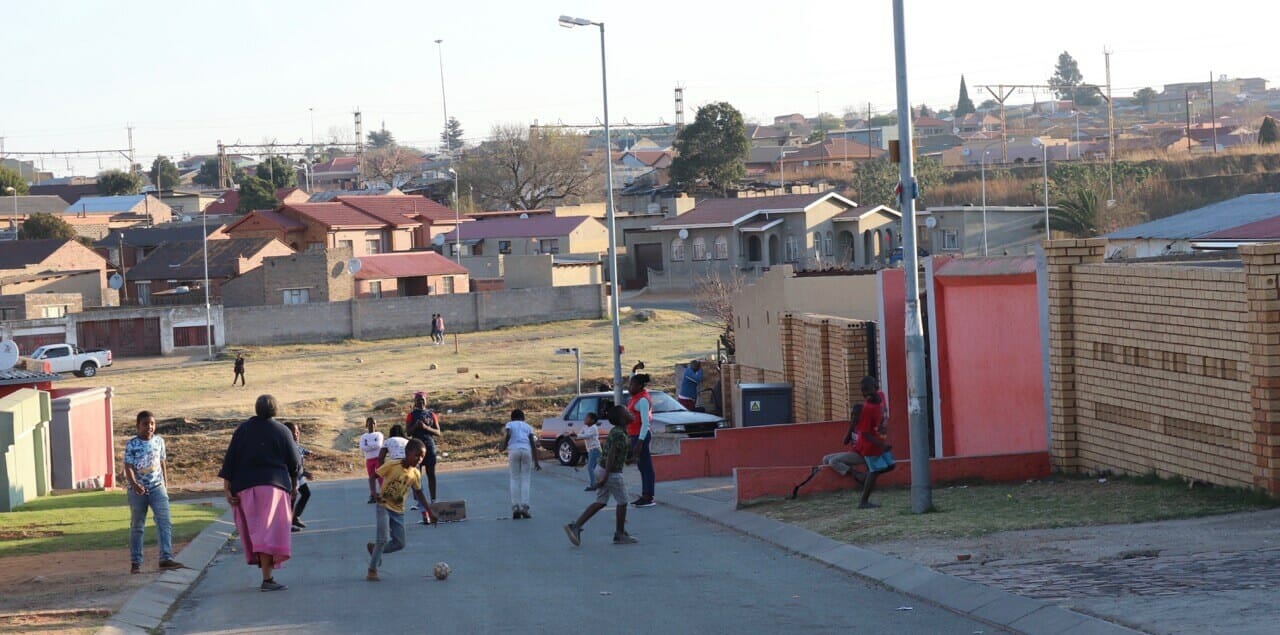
441,570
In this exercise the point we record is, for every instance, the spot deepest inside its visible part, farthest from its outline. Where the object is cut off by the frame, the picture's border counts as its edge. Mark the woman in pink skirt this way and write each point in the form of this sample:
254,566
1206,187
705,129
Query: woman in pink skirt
259,477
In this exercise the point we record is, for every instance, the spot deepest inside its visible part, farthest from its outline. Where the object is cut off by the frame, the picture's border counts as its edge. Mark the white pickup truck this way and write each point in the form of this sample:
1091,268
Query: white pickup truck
65,358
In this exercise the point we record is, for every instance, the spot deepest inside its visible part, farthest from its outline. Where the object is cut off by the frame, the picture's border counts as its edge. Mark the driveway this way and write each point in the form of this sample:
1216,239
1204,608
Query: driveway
685,575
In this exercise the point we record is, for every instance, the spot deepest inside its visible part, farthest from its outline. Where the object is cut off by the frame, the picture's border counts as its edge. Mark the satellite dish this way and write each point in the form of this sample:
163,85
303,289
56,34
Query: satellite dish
438,240
186,218
683,234
353,266
8,354
930,222
115,281
524,216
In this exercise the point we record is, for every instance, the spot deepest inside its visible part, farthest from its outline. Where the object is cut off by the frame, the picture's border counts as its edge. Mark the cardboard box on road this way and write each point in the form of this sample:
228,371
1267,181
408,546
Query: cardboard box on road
450,511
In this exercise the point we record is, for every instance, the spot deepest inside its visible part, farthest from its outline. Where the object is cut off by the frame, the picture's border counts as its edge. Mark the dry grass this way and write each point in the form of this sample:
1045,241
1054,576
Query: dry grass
329,389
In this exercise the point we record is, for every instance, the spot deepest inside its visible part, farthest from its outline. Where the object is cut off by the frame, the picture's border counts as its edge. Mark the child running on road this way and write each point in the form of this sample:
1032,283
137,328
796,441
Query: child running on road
398,478
610,482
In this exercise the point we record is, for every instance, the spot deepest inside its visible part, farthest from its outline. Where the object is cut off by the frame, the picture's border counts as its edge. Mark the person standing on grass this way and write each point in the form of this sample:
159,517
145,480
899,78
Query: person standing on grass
871,443
371,447
434,332
398,478
640,409
424,425
304,490
260,478
146,470
590,435
609,482
690,380
439,322
519,443
239,369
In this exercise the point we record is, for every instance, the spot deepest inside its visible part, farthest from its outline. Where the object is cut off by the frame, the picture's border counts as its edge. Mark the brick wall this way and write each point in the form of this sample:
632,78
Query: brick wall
1164,367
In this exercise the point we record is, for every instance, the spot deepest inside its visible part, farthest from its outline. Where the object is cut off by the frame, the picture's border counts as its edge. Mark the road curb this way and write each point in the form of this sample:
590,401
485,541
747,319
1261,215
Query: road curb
147,608
971,599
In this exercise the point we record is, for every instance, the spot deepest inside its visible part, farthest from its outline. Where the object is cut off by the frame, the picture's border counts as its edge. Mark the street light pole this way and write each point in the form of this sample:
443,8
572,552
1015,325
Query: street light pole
208,312
983,172
457,220
568,22
1044,163
444,103
917,414
13,225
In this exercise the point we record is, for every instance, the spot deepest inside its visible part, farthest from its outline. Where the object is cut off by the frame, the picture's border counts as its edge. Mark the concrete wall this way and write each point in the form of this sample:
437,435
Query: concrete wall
526,272
169,317
80,434
1164,367
29,306
24,447
410,316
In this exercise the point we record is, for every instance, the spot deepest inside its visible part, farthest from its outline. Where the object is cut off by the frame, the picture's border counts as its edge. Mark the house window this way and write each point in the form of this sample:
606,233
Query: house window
828,247
347,244
54,311
144,293
677,250
504,246
817,243
296,296
447,284
375,289
722,248
699,248
793,249
950,240
549,246
315,246
373,246
7,314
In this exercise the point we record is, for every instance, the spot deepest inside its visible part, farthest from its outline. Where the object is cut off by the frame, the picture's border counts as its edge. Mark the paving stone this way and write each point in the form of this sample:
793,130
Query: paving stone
1049,620
911,579
1008,610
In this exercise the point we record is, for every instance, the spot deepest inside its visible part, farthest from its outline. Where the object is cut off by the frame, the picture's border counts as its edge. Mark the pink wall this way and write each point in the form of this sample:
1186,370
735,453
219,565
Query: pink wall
81,438
893,357
759,482
988,359
758,446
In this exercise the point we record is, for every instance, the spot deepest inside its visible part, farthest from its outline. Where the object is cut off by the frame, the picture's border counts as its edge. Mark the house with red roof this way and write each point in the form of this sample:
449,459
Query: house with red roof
365,224
409,274
338,173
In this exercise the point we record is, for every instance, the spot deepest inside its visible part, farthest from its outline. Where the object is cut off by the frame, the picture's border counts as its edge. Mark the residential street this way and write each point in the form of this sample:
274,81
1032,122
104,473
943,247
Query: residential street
685,575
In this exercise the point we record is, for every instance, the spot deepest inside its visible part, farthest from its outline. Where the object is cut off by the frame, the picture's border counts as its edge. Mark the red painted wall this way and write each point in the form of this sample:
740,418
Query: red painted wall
759,446
81,437
759,482
893,364
989,364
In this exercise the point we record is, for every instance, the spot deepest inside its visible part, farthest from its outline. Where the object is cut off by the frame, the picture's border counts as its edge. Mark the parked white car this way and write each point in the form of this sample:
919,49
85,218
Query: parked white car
559,434
65,358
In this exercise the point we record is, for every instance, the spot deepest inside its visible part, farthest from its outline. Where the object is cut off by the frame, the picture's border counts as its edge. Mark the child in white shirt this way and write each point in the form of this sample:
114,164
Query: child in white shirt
590,434
371,446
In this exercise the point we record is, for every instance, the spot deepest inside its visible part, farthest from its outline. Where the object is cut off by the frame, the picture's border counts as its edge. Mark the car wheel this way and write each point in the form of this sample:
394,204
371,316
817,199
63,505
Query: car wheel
566,453
88,370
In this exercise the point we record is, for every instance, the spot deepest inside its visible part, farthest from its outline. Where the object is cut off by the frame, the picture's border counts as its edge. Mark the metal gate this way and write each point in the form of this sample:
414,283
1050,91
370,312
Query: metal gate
135,337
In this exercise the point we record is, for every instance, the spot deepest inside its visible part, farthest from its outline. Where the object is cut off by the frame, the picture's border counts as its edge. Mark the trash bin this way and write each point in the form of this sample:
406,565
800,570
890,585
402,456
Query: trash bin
765,404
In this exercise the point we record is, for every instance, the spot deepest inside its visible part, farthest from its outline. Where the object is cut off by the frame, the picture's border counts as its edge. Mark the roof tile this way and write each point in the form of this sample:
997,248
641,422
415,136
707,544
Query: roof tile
407,265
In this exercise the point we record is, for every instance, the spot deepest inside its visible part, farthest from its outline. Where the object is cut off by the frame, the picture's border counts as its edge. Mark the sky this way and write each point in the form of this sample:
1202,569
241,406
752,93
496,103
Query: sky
186,74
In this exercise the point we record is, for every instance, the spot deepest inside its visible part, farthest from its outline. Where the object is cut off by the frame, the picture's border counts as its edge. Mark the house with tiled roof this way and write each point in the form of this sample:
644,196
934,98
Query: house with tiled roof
930,127
409,274
183,264
95,216
542,234
831,153
338,173
366,225
55,266
424,216
747,235
139,241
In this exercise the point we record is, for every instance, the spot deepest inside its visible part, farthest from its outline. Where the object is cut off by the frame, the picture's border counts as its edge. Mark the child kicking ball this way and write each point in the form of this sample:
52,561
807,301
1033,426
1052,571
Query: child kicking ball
398,478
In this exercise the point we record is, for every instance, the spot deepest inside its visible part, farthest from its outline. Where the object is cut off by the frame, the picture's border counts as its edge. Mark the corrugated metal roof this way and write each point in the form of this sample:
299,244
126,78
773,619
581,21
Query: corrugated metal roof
105,204
1206,220
19,377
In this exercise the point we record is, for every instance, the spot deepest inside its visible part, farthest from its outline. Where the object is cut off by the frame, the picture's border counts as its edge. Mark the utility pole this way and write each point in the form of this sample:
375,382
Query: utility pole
131,161
359,148
1111,134
868,127
1213,114
444,103
921,491
1187,98
679,108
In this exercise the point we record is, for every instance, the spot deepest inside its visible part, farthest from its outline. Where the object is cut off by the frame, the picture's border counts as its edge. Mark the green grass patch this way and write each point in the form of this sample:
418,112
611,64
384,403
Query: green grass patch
89,520
962,511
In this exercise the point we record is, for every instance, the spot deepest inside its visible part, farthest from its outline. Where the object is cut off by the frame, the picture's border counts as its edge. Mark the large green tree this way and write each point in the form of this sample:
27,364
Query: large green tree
164,174
278,171
208,174
42,225
256,193
1068,82
451,136
12,179
964,105
874,181
1268,133
1144,96
381,138
713,149
518,169
118,182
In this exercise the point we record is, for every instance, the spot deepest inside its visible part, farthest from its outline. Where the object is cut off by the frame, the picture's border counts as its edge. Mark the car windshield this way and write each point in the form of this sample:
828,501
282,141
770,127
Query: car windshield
662,402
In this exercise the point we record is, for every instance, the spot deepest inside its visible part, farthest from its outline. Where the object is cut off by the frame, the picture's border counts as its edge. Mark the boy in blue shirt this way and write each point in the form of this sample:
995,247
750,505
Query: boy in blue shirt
145,471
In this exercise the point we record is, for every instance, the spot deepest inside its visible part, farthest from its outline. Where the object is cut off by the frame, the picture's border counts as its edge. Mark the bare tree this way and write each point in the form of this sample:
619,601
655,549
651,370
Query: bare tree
392,165
521,170
713,303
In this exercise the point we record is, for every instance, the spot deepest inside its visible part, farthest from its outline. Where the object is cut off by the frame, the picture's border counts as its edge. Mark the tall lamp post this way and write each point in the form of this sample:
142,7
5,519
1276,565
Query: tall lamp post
569,23
208,312
983,171
1044,163
457,220
782,168
13,225
444,103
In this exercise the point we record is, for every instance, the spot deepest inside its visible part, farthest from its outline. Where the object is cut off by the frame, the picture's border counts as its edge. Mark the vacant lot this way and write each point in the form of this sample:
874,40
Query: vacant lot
329,389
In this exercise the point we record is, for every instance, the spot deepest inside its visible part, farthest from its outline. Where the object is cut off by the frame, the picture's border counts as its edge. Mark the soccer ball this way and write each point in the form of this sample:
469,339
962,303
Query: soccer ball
441,570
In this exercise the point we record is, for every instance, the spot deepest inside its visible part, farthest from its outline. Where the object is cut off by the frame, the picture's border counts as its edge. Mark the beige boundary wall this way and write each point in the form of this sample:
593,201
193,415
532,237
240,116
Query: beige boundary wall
823,358
1165,367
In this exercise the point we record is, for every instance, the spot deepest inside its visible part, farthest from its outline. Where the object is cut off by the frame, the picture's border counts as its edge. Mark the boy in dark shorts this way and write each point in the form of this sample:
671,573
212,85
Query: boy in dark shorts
871,444
609,482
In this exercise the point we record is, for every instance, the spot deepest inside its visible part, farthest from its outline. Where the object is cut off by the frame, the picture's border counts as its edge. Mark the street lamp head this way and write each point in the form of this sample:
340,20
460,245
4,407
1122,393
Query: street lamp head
568,22
451,171
439,41
10,189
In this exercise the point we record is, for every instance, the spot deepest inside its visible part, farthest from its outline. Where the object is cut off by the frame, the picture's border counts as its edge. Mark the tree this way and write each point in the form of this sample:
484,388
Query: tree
118,182
712,149
381,138
1076,215
1145,96
887,119
713,303
256,193
925,111
164,174
964,105
279,172
874,181
516,169
208,174
11,178
1068,83
43,225
393,165
1268,133
451,136
827,121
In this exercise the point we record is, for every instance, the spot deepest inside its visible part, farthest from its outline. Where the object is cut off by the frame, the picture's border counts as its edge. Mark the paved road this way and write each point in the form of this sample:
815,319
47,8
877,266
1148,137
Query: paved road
685,576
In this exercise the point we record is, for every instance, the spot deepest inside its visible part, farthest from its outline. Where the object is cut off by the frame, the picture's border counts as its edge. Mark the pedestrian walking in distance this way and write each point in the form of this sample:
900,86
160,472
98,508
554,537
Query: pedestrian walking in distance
239,368
145,469
519,444
609,483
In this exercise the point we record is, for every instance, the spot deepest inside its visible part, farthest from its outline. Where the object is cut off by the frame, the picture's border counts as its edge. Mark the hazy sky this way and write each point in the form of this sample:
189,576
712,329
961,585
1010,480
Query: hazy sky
186,74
